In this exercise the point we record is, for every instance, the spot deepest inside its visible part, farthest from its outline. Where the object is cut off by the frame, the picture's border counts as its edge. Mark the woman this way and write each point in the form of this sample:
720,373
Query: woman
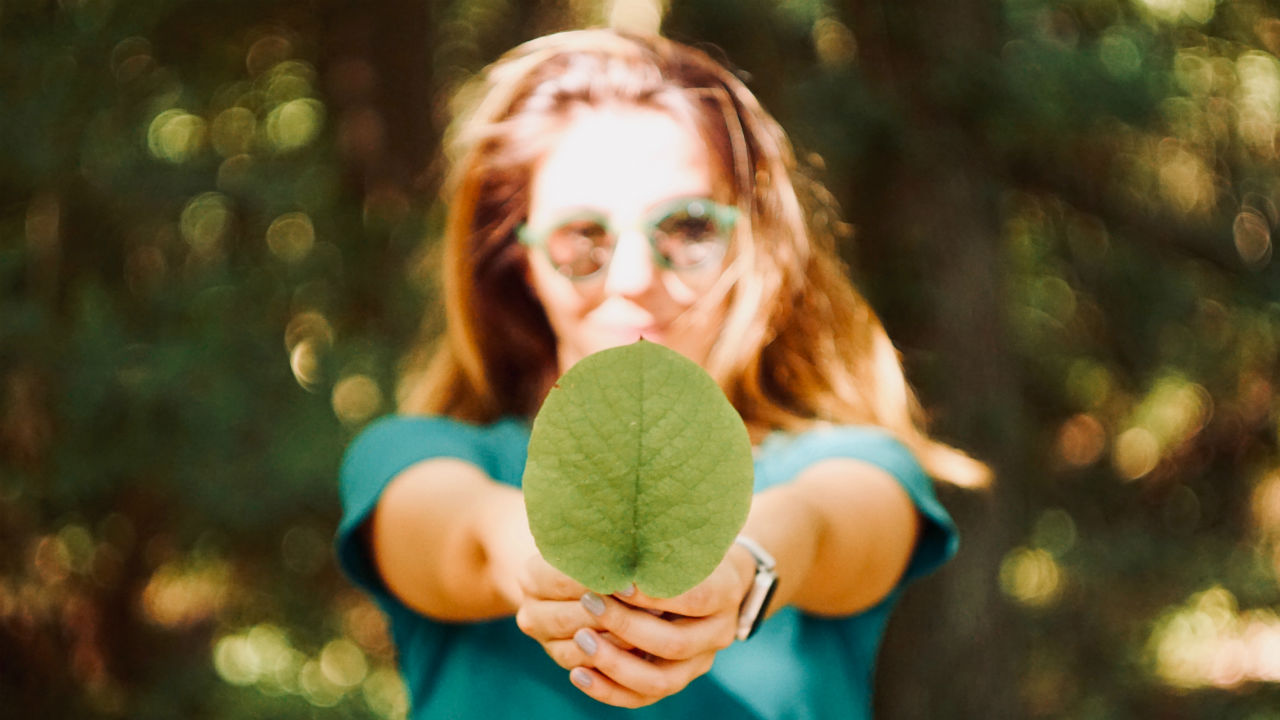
608,187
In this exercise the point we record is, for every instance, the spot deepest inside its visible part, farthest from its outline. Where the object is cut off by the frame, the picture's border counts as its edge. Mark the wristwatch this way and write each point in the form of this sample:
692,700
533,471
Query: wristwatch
751,612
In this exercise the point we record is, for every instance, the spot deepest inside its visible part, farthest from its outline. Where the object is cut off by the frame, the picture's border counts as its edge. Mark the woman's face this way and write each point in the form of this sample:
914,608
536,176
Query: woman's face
624,170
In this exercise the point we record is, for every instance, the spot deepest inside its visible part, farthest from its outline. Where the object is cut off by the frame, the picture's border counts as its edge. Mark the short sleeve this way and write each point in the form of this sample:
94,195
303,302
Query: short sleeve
939,539
376,456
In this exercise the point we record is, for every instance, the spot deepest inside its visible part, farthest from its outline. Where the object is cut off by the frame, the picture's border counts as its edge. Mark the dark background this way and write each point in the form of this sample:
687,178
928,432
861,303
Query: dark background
216,226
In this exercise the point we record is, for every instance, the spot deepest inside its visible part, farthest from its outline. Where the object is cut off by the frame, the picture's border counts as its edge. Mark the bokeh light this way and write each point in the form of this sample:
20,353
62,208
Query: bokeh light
307,338
260,655
1081,440
131,59
291,236
264,657
385,694
233,131
1197,11
290,80
356,398
364,623
1252,234
176,135
834,42
181,594
295,124
316,687
1210,642
1089,383
1136,453
1258,100
206,221
1119,54
49,559
1185,179
76,548
306,362
343,664
1031,576
1266,504
266,52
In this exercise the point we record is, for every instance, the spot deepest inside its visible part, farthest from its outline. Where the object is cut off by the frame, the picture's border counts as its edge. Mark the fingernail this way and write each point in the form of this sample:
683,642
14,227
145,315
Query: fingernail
593,603
586,640
628,592
580,677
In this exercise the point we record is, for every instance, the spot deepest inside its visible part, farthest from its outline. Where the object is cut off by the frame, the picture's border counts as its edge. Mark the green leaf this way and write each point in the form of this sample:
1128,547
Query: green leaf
639,471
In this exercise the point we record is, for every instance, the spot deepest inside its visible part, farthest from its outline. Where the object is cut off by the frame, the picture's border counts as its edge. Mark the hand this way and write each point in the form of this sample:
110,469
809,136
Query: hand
508,546
634,650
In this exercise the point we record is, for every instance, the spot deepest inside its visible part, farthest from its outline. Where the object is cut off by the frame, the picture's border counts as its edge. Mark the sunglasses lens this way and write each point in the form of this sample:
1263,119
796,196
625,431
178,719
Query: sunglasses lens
580,248
691,236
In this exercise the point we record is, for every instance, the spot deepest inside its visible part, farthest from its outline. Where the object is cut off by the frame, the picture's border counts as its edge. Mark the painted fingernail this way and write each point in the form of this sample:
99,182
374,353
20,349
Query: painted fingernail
593,603
580,677
586,640
628,592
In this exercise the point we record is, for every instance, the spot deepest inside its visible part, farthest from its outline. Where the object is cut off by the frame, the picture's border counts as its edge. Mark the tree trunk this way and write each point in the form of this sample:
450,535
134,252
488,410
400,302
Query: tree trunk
931,200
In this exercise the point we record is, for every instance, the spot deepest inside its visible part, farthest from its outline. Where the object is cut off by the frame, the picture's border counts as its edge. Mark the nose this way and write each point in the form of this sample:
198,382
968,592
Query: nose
631,271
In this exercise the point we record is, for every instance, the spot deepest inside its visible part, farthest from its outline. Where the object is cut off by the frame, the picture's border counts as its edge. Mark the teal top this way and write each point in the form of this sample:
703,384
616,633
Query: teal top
797,666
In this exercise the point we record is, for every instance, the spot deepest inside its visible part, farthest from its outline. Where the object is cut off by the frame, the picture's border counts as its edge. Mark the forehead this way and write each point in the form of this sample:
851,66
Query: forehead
621,160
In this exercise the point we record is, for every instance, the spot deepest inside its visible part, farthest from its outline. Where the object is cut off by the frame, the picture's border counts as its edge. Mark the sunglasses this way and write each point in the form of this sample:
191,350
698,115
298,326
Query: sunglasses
685,234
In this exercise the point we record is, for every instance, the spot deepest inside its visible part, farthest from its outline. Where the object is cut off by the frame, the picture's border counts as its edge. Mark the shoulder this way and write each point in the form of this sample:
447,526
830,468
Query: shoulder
392,443
399,428
782,457
787,454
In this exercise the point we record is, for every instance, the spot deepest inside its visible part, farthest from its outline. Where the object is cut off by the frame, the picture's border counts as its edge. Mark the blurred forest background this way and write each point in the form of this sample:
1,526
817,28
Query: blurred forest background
216,226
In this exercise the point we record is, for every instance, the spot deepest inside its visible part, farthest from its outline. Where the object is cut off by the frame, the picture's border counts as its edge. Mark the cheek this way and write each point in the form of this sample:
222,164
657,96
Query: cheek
556,293
685,290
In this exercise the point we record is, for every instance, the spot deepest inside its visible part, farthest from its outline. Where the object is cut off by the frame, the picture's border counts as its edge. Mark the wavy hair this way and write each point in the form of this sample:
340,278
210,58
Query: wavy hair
799,345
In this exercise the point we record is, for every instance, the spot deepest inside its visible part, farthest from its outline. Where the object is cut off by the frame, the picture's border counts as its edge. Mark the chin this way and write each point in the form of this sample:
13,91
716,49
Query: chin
614,337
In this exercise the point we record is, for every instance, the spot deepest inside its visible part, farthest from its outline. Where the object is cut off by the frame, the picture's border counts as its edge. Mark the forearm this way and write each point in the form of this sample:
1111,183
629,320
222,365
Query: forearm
842,534
446,540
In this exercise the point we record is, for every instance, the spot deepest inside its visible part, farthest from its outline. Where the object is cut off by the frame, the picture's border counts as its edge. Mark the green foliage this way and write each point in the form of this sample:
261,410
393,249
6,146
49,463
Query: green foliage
210,220
639,471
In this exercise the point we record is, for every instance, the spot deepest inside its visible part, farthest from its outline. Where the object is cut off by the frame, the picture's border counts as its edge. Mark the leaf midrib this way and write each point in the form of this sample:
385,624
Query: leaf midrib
635,477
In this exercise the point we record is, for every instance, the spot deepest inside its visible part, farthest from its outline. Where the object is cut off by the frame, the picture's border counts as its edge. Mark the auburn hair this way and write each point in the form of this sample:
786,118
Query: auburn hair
799,346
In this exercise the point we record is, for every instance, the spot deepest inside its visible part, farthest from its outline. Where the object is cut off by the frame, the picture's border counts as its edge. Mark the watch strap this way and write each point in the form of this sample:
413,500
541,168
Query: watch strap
754,606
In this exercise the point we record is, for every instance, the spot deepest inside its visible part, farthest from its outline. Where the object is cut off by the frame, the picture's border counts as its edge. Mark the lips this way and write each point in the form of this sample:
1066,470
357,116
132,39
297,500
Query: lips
618,321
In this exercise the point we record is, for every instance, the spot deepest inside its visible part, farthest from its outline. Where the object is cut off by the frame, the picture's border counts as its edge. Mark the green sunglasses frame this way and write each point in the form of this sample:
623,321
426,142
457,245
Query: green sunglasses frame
725,215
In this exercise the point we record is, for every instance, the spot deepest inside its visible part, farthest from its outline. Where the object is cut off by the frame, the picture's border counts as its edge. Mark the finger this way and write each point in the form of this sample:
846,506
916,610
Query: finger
539,579
718,593
668,638
647,678
553,619
577,650
605,690
617,641
566,653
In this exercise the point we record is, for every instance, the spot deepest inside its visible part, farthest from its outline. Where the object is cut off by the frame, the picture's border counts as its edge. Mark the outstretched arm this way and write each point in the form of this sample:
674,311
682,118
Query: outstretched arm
842,532
450,542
